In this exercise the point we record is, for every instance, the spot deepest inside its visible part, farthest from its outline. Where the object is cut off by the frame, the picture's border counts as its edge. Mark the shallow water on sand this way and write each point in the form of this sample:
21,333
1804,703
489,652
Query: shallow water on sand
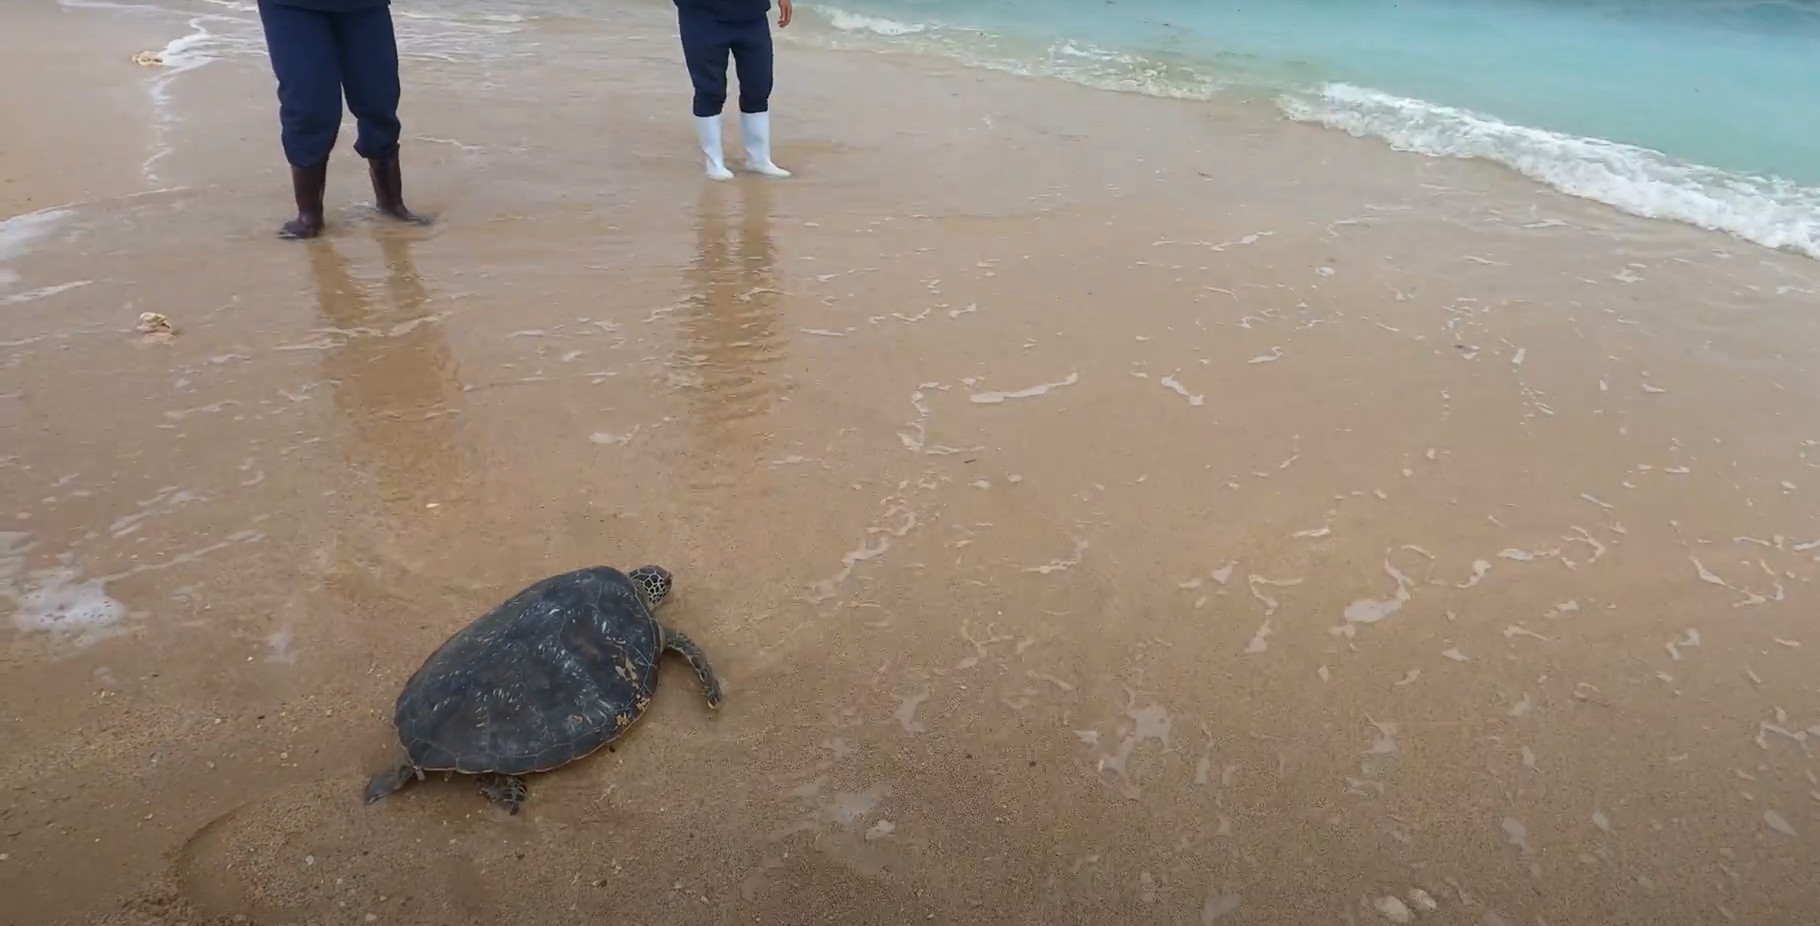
1269,529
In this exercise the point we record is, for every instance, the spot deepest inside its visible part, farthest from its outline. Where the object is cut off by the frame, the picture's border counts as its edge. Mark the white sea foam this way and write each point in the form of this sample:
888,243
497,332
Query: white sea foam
137,9
18,232
42,292
878,25
67,606
452,36
18,235
203,46
57,601
1767,211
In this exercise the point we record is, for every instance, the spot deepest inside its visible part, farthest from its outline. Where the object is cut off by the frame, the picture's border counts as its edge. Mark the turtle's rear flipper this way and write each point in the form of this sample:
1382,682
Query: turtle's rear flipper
685,647
390,780
508,791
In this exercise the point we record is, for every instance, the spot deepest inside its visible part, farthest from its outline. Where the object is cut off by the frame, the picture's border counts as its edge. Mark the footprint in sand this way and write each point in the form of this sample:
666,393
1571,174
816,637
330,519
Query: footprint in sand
313,853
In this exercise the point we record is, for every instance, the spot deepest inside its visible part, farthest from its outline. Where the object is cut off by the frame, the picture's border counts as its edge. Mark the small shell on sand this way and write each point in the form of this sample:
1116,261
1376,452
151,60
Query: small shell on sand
154,328
149,59
1393,909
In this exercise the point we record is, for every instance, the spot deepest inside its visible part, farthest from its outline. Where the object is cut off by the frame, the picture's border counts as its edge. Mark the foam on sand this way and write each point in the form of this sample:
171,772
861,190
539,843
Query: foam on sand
56,601
1767,211
18,233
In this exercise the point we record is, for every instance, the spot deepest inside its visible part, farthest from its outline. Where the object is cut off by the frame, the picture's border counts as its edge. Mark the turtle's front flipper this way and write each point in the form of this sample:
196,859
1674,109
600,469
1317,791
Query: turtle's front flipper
507,791
710,683
390,780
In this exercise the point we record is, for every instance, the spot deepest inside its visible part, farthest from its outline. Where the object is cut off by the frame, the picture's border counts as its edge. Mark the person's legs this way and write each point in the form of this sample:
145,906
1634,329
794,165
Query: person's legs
752,56
301,44
705,49
752,64
369,71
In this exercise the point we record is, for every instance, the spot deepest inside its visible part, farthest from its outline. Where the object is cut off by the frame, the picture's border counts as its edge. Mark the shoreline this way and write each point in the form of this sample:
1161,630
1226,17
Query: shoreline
1630,176
1099,508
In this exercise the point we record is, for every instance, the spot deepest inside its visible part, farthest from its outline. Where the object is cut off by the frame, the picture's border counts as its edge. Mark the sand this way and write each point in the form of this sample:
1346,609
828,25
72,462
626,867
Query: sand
1099,508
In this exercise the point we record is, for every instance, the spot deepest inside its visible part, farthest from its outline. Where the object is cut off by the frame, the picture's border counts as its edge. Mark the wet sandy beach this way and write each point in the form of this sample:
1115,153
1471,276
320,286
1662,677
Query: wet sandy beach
1099,508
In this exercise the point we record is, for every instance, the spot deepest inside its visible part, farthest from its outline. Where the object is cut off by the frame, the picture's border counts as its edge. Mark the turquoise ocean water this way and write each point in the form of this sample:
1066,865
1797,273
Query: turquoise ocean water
1700,111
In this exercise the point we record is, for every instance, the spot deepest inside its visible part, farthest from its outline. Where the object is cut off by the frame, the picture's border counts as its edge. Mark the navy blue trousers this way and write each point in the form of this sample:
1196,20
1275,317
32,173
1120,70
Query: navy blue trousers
707,41
317,56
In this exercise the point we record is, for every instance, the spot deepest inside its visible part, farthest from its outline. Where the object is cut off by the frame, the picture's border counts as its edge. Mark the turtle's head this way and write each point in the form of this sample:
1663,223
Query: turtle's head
653,583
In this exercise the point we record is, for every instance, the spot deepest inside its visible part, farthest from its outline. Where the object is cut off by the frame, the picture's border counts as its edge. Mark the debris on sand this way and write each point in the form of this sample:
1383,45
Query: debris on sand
155,328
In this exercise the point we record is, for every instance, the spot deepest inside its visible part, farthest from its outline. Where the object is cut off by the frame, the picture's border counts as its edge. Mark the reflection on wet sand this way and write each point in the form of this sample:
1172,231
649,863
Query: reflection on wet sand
729,321
394,382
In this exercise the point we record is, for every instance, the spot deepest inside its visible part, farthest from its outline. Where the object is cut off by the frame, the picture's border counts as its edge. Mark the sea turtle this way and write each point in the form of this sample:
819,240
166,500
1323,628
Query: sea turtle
559,670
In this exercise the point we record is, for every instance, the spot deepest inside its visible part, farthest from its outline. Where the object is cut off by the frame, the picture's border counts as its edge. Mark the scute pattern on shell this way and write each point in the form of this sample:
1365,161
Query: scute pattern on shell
550,675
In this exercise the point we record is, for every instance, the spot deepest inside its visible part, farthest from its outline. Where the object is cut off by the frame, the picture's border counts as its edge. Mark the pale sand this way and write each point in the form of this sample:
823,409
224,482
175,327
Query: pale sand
994,653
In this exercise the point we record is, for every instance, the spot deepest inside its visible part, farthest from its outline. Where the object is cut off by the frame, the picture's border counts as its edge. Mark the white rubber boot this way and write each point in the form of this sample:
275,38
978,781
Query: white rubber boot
707,128
755,131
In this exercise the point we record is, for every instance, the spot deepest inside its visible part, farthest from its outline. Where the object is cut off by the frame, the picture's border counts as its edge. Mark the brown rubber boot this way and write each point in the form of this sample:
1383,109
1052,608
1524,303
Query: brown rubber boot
308,184
388,189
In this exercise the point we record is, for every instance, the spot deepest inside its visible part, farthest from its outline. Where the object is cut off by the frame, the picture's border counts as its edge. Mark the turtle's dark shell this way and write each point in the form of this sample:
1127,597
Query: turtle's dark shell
554,673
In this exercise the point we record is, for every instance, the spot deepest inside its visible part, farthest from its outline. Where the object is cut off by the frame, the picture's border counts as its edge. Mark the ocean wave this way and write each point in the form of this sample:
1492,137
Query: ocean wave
859,22
1073,61
1764,210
